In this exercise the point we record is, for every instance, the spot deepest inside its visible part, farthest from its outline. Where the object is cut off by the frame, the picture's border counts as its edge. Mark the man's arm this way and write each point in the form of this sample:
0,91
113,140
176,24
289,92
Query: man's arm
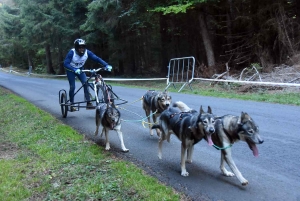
68,60
92,56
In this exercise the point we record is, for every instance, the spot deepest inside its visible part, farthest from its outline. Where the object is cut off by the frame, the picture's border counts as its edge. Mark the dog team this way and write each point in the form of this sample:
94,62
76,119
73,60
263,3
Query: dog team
189,126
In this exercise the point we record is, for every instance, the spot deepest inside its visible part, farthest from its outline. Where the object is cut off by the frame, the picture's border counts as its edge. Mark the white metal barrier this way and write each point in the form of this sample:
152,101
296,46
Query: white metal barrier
181,70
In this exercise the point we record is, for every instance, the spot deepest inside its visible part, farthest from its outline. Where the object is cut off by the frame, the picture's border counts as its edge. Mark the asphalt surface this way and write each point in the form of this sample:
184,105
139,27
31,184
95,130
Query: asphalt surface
274,175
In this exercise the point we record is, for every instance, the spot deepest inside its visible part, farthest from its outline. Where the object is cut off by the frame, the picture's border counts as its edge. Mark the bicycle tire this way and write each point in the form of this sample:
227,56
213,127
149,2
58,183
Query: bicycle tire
63,104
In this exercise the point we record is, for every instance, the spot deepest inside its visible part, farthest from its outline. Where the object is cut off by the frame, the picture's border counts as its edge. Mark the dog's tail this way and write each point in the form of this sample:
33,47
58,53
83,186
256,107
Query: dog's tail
182,106
155,126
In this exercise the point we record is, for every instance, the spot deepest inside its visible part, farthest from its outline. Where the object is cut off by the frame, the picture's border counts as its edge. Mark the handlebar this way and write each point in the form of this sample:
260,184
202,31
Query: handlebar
92,70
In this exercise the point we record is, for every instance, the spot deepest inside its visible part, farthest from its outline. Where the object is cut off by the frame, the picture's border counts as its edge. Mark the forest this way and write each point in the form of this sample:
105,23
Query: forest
139,37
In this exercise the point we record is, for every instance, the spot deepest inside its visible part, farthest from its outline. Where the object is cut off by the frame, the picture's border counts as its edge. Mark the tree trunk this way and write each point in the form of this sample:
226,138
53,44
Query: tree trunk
230,16
50,69
61,70
30,63
132,57
164,43
297,9
206,41
120,70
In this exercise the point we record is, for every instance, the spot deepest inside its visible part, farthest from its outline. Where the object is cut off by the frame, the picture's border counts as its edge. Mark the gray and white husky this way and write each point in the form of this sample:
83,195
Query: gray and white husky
109,117
190,127
155,102
231,129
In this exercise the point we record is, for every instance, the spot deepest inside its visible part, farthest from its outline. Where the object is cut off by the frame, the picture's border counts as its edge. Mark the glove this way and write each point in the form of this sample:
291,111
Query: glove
108,68
78,71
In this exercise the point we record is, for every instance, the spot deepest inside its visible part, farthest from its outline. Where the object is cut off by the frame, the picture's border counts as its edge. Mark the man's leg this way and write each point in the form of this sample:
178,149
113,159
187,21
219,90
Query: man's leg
82,78
71,79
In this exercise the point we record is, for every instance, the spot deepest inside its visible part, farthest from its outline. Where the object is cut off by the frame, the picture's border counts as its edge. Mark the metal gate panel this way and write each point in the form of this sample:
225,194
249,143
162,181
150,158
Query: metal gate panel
181,70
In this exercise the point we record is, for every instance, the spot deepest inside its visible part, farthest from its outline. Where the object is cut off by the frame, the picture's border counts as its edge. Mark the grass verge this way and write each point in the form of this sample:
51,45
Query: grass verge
43,159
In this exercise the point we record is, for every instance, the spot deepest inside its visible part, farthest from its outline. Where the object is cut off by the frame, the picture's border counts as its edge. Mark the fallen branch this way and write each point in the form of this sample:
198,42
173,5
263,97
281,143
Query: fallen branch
294,79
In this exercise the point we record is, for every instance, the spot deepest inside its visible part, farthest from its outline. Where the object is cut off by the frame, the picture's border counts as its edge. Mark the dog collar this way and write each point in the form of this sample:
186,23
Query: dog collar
221,148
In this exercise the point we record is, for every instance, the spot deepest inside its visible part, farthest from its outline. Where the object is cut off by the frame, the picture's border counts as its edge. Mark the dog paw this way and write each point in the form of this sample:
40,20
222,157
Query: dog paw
244,183
227,173
159,156
184,173
188,161
125,150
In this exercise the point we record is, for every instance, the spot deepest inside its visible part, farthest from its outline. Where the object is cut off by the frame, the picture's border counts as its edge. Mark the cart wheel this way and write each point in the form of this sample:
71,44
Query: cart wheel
63,104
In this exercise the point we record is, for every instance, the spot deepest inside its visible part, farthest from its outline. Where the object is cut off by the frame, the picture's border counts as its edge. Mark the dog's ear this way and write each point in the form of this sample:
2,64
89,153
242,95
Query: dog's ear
113,105
160,96
239,122
245,117
201,110
241,118
209,110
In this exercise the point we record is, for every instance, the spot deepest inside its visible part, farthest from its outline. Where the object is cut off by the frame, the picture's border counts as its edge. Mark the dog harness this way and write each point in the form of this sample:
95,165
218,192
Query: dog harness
180,115
222,148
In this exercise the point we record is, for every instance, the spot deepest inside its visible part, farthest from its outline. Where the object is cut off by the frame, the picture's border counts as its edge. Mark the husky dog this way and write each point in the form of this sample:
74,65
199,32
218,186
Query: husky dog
108,116
231,129
155,102
189,127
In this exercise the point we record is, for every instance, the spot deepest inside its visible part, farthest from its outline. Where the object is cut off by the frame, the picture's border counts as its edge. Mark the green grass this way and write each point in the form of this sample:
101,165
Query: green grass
43,159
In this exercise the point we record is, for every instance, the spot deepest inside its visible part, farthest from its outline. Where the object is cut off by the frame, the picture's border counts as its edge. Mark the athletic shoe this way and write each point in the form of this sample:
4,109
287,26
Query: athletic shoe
89,106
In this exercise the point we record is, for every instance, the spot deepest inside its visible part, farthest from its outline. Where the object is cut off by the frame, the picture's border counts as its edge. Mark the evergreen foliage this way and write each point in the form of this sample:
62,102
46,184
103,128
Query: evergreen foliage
139,37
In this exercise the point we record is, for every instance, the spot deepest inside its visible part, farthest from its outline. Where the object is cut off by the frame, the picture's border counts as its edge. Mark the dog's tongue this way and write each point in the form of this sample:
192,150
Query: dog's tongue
254,150
112,125
209,141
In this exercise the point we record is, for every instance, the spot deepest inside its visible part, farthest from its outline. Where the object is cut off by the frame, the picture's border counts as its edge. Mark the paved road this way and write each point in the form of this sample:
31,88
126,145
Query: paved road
274,175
